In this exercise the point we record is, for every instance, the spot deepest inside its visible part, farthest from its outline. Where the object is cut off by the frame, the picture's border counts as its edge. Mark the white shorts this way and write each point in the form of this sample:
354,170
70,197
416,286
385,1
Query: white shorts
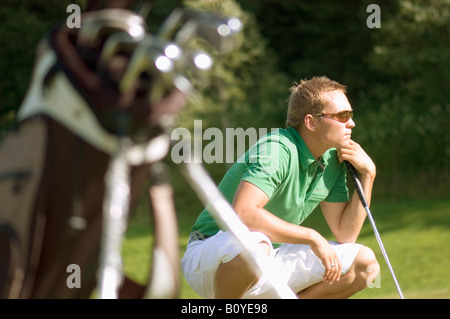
297,264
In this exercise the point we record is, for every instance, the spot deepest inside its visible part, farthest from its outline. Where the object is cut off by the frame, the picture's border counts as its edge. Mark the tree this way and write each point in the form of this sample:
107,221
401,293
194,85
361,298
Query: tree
244,86
24,23
411,56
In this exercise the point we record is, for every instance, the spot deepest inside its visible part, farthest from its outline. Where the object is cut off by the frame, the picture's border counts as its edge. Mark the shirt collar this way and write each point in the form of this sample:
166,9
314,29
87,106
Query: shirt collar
304,154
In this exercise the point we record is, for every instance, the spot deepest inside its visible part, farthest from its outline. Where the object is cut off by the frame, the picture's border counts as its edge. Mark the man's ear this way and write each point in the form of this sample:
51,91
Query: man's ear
310,122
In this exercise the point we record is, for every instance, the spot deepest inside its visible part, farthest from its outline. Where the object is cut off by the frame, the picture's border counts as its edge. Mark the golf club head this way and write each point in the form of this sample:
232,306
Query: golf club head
182,26
153,60
140,63
117,43
97,25
164,64
115,56
192,64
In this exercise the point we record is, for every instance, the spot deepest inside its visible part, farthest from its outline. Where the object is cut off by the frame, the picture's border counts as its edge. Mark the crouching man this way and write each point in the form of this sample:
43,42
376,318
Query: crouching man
273,188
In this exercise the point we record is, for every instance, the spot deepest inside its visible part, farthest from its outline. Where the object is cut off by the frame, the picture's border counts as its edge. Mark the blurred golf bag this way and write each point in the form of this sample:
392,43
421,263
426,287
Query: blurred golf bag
92,130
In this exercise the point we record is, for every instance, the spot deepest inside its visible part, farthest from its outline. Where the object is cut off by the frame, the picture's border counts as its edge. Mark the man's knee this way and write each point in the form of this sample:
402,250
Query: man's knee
238,267
234,278
366,264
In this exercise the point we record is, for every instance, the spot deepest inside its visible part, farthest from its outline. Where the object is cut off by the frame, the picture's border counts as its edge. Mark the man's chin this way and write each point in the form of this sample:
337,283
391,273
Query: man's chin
344,144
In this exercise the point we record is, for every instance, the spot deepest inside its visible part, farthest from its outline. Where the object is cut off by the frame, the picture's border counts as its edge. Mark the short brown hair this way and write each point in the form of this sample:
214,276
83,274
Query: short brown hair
306,98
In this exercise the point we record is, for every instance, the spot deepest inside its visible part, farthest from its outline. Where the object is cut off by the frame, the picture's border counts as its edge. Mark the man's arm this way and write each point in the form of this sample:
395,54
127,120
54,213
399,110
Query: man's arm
249,202
346,219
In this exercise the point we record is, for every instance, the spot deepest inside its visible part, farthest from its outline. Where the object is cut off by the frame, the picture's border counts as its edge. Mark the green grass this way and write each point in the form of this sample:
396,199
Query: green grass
415,233
416,236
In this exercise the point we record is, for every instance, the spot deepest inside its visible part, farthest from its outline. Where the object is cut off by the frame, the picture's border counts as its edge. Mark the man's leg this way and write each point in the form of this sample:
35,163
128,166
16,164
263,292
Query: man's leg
235,277
353,281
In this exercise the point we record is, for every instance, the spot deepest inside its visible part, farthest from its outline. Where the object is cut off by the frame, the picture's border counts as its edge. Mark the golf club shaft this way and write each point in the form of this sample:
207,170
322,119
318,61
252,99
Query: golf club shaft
360,191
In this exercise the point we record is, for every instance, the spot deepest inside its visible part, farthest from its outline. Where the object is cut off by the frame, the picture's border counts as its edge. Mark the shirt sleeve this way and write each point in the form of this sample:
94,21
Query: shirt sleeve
339,192
267,165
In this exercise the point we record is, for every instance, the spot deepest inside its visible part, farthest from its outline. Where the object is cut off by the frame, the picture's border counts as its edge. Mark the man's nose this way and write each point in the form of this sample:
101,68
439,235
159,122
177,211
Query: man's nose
350,123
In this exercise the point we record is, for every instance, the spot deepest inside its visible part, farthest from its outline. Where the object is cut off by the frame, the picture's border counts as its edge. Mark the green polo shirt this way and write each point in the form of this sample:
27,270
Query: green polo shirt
282,166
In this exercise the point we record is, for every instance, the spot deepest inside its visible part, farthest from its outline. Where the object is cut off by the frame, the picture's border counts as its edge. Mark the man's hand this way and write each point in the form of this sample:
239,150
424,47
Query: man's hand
346,219
323,250
354,154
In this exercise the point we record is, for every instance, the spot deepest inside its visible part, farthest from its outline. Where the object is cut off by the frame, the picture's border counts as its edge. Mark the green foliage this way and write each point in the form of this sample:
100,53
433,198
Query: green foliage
24,23
397,76
244,87
409,108
318,38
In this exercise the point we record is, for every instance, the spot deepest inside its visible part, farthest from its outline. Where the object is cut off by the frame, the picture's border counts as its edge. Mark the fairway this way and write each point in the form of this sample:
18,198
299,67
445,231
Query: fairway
415,234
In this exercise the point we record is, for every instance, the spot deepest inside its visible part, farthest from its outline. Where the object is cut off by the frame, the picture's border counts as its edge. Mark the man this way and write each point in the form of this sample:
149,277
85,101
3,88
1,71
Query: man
273,188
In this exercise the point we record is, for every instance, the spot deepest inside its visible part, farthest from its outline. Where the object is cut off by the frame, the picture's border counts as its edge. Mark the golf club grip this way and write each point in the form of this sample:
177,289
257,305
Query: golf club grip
356,182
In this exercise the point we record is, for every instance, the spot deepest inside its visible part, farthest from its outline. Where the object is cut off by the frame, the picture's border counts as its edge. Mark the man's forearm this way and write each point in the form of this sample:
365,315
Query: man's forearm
354,214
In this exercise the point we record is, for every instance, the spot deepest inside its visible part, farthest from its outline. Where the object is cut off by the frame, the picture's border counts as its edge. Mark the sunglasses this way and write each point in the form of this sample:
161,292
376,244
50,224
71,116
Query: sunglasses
342,117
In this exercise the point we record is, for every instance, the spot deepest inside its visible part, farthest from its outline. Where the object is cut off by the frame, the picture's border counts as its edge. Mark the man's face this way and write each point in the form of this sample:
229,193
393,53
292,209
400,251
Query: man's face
331,130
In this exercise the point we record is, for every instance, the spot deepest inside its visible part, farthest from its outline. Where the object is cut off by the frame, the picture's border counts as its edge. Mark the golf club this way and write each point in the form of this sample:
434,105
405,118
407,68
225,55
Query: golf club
360,191
182,26
106,22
